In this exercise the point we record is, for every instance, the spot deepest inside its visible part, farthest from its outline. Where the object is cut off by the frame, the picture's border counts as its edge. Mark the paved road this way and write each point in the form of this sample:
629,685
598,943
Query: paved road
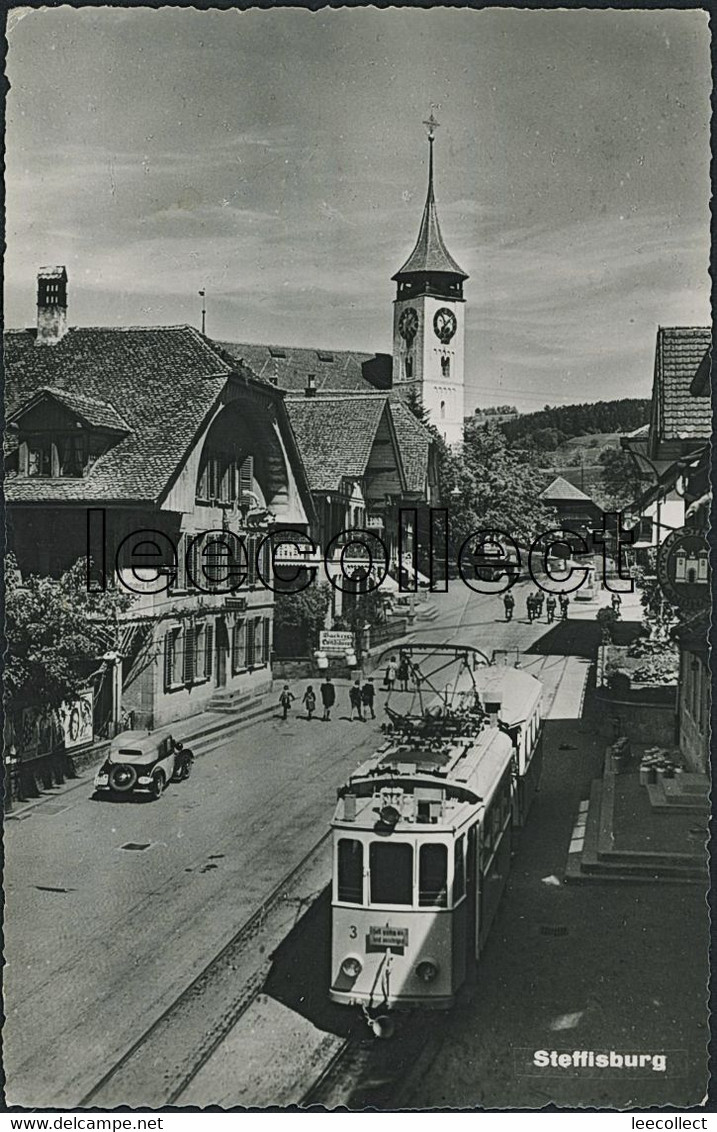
603,967
100,938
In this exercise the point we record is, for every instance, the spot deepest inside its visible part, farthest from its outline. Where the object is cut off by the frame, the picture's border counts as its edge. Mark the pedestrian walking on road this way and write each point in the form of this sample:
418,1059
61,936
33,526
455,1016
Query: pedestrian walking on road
391,674
550,607
539,599
403,672
328,697
368,695
356,699
616,602
564,605
309,701
530,606
509,604
286,699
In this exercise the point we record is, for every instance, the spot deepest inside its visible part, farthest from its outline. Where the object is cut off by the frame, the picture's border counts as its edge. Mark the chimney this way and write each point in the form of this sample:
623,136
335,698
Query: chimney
310,390
51,306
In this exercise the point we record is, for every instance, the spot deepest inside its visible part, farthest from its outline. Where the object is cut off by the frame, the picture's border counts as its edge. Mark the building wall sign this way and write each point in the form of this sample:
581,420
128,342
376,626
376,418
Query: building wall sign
683,569
336,642
77,719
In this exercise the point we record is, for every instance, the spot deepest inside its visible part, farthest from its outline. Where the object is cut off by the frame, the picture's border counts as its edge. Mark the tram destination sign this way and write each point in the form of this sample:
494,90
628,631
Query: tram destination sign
386,937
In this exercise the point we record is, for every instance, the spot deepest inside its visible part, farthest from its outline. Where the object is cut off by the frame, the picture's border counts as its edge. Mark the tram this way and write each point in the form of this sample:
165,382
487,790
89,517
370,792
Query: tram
423,833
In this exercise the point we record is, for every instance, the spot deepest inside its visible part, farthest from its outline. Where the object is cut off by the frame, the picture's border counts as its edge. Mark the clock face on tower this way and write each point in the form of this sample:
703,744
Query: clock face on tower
444,324
408,324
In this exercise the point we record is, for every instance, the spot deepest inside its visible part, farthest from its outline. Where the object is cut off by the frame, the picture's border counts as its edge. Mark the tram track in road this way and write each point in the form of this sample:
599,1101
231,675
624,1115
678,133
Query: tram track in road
371,1073
162,1062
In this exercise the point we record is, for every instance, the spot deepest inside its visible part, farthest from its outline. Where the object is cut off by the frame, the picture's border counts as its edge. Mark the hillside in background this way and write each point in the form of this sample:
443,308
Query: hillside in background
551,427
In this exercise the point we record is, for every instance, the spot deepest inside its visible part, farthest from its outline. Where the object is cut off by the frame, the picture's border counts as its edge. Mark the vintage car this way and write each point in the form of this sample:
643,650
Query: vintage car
143,762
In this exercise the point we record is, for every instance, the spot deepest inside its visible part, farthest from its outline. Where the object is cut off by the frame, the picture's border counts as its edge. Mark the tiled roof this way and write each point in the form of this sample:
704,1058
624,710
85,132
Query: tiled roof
96,413
335,435
164,380
289,367
677,414
414,443
560,490
700,386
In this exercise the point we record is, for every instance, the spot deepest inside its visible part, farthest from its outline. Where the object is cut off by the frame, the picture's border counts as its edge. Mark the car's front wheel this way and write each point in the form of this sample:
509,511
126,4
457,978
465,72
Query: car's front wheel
158,783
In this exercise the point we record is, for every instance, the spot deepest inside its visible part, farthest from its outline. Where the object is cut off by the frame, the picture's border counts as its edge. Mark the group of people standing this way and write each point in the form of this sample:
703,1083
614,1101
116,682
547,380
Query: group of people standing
361,698
534,606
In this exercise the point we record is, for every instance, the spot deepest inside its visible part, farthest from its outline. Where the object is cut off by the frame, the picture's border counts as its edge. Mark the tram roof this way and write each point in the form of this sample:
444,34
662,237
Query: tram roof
519,691
470,763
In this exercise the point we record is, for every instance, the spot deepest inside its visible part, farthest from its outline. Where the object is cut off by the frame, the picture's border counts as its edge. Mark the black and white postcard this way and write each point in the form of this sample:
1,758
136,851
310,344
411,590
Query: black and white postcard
357,373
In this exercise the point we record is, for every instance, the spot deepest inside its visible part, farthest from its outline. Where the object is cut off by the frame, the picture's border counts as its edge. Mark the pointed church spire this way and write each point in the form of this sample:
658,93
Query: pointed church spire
430,255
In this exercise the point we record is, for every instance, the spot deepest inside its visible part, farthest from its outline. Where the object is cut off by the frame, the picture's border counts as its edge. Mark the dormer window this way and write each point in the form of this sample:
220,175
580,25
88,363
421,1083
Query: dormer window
38,457
61,433
58,455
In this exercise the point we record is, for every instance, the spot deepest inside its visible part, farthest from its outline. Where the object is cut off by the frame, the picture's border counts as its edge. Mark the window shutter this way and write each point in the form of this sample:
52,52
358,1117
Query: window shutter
208,650
239,646
246,475
168,660
181,580
190,640
251,548
250,642
266,629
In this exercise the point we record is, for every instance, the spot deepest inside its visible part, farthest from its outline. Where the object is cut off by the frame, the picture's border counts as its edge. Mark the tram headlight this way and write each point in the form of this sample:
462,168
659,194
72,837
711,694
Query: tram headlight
351,967
427,971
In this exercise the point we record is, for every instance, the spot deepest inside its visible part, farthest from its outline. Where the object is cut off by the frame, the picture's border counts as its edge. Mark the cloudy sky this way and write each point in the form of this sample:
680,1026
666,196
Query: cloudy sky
278,159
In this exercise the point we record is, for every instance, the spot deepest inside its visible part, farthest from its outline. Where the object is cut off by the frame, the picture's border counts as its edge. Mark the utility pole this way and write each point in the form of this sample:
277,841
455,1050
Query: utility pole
204,311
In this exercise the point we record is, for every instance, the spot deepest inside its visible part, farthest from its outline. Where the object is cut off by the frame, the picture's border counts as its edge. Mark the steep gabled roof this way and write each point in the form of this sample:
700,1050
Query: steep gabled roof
414,442
290,366
165,382
335,435
560,490
676,413
94,412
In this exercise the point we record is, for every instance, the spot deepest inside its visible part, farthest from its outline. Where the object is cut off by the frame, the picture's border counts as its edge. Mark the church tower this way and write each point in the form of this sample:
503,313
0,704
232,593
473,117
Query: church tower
429,323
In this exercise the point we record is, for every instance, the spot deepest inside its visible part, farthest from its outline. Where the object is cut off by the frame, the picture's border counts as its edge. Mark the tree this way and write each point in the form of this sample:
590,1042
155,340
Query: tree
620,479
493,484
415,404
299,618
57,633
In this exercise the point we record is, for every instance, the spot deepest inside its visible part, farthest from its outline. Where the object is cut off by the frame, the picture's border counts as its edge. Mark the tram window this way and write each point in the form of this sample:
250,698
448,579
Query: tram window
391,872
433,876
459,870
350,871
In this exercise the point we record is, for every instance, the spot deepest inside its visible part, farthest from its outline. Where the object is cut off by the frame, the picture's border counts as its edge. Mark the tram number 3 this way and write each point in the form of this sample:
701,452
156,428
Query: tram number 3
353,931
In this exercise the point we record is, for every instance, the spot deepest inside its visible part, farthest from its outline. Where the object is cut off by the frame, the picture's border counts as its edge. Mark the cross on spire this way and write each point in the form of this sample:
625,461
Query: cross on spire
431,124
